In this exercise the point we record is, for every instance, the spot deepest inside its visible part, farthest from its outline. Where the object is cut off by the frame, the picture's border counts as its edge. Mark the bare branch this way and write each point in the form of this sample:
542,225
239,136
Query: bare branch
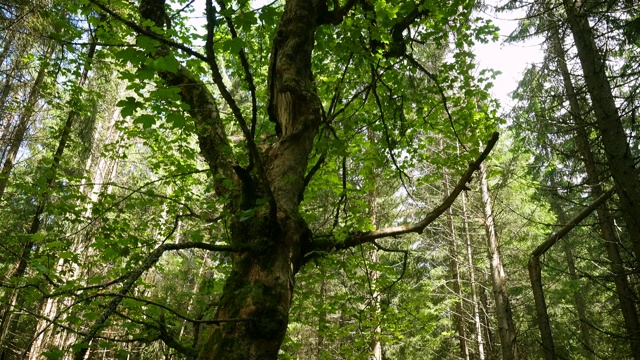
172,311
556,236
235,109
328,243
405,259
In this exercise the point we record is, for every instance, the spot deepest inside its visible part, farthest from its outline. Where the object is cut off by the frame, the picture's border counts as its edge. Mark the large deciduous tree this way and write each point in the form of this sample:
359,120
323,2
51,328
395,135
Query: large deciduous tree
260,180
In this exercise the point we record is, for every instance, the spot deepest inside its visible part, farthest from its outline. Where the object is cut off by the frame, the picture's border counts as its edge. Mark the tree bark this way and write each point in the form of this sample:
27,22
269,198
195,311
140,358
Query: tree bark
578,297
254,307
623,289
486,323
7,321
536,276
498,277
49,306
614,139
375,345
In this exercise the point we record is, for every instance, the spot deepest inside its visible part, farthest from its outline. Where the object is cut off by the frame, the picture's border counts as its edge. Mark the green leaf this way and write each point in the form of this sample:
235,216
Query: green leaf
130,54
233,45
129,106
247,214
66,255
177,120
145,120
167,63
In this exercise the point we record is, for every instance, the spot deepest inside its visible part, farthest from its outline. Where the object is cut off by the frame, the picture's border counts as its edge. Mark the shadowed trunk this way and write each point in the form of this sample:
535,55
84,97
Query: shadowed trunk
535,272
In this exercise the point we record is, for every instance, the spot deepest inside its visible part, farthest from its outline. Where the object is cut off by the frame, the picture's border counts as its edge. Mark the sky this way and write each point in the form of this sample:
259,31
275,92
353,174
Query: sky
510,59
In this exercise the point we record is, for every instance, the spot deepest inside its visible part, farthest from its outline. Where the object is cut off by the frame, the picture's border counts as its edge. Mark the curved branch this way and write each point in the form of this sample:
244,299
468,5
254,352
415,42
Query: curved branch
233,105
162,334
405,259
329,242
129,283
139,29
172,311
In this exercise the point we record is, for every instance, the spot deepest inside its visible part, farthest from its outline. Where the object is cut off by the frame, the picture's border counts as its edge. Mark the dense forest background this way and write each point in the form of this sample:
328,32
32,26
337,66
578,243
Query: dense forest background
316,180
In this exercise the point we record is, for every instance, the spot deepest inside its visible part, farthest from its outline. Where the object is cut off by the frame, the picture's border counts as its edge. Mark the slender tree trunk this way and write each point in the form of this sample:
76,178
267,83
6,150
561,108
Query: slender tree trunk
322,316
375,345
486,323
5,103
614,139
455,274
29,245
535,275
498,277
472,279
23,123
101,170
623,289
21,265
196,289
579,303
535,271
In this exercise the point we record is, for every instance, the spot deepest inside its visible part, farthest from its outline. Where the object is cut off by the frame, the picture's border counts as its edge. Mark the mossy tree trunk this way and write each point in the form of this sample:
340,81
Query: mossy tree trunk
269,238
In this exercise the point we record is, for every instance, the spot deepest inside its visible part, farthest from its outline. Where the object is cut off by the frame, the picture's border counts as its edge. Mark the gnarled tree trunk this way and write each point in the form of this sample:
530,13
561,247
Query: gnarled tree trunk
269,238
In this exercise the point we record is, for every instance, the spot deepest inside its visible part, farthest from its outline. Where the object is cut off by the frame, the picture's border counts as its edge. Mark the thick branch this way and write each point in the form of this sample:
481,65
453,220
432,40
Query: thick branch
203,108
553,238
330,243
235,109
